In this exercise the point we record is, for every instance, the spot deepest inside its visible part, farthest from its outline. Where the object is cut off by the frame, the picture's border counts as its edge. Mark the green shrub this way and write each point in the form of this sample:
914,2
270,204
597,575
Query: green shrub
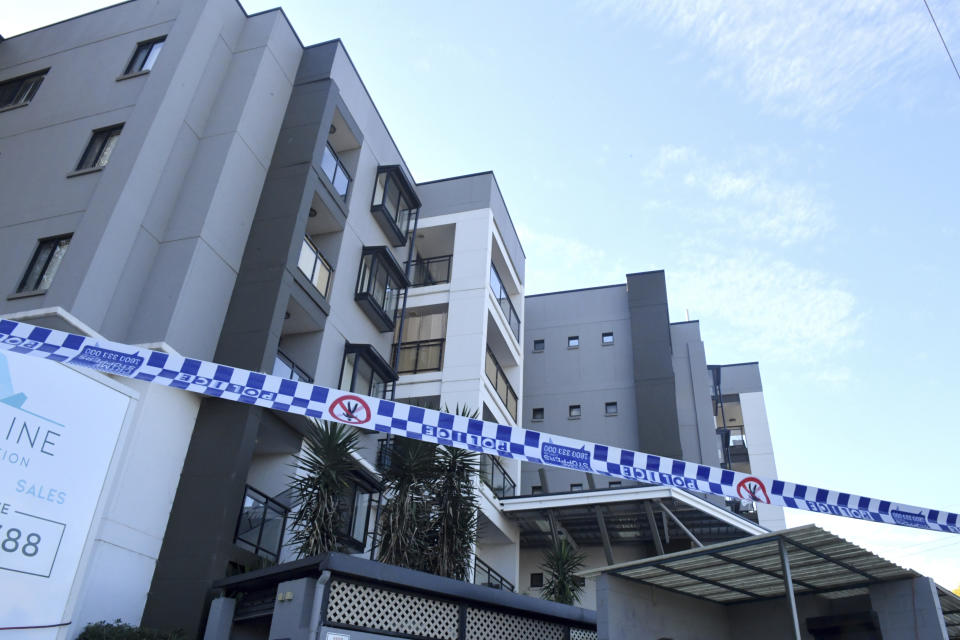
121,631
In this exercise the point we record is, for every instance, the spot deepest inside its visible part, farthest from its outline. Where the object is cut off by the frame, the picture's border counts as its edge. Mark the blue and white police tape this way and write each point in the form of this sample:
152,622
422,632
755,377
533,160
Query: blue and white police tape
281,394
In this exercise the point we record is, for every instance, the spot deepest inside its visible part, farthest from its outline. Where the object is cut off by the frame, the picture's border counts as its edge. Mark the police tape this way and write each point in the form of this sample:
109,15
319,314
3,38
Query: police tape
394,418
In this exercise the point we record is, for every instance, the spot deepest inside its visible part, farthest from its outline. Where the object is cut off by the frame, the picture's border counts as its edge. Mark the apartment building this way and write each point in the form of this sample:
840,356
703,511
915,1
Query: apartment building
181,175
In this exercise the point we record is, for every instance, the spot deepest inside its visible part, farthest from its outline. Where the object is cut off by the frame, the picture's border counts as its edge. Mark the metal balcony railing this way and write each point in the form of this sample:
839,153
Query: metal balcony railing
483,574
285,367
500,293
419,356
496,477
261,524
499,381
429,271
313,265
335,171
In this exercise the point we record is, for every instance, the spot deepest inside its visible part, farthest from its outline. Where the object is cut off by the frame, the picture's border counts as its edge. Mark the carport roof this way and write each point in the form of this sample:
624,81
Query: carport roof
750,569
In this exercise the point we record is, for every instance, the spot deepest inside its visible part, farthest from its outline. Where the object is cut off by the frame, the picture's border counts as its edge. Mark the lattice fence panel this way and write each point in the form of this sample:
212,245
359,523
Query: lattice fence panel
492,625
582,634
371,608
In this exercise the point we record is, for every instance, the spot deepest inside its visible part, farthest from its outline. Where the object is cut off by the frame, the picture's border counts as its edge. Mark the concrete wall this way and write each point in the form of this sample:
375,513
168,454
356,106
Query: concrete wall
698,437
909,609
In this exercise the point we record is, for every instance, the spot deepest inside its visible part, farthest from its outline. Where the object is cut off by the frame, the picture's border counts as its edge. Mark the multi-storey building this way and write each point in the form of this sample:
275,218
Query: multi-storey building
181,175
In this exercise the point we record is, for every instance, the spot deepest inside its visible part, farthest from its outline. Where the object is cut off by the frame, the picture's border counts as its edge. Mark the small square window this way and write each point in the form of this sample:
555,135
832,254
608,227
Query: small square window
573,342
538,414
100,147
536,490
578,486
44,264
573,411
144,56
606,337
610,408
20,91
536,580
615,484
579,581
537,346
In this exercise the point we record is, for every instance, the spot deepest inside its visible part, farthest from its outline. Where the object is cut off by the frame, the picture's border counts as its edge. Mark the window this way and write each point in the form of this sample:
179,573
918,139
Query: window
98,150
366,372
144,56
536,580
606,337
577,486
615,484
395,204
313,265
20,91
573,412
610,408
44,264
573,342
536,490
379,286
538,414
538,346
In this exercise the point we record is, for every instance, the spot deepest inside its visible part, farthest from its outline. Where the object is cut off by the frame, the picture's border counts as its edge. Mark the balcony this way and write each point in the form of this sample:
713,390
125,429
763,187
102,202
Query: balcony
285,367
485,576
500,383
261,525
314,267
500,293
419,356
430,271
335,171
496,477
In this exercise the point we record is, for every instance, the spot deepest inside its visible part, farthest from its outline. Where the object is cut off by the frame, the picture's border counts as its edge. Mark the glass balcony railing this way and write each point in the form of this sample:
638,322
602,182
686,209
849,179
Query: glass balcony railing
312,264
285,367
484,575
335,171
500,293
429,271
261,525
500,383
419,356
496,477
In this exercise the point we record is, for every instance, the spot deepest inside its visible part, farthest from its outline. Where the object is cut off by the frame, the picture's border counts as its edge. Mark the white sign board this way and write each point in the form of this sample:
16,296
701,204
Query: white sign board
58,432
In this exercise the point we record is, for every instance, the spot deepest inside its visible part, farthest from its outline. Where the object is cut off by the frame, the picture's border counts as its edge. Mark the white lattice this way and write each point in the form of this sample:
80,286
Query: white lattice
382,610
492,625
582,634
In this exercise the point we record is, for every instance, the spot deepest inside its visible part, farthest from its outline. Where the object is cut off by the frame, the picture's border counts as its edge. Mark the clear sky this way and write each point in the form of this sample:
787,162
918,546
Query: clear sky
791,165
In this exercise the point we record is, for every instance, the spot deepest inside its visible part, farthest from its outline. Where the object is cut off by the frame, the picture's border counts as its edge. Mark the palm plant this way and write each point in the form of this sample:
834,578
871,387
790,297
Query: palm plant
320,484
406,519
560,564
455,511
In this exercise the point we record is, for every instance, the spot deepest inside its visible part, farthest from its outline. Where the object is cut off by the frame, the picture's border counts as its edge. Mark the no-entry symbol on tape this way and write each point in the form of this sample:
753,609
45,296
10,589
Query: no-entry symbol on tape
351,410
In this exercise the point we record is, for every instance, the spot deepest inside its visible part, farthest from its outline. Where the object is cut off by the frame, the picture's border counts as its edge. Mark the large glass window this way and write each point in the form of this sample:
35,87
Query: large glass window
100,147
44,264
394,203
313,265
366,372
379,286
335,171
144,56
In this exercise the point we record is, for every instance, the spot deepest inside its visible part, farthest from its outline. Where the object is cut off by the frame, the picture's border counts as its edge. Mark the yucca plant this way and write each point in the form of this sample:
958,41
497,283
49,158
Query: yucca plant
560,564
320,485
406,519
455,509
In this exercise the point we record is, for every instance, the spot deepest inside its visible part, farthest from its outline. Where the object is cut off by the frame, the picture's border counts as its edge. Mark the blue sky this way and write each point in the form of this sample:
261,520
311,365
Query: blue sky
792,166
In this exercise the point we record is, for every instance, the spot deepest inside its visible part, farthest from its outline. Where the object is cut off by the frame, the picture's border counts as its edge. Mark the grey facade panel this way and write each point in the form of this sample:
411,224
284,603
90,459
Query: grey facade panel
740,378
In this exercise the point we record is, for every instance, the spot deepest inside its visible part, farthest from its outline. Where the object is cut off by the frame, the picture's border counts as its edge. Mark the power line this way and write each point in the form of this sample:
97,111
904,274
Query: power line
947,49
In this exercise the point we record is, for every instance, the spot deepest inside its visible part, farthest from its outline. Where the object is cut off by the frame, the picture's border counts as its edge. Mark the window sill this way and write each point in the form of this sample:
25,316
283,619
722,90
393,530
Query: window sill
573,347
610,415
537,351
135,74
573,417
606,344
11,107
83,172
536,420
26,294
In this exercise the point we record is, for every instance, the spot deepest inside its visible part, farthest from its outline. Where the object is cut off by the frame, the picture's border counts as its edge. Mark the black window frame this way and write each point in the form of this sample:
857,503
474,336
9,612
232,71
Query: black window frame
390,221
570,412
147,47
533,414
576,487
380,259
51,243
536,581
100,139
573,342
377,365
542,345
606,408
603,338
15,88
